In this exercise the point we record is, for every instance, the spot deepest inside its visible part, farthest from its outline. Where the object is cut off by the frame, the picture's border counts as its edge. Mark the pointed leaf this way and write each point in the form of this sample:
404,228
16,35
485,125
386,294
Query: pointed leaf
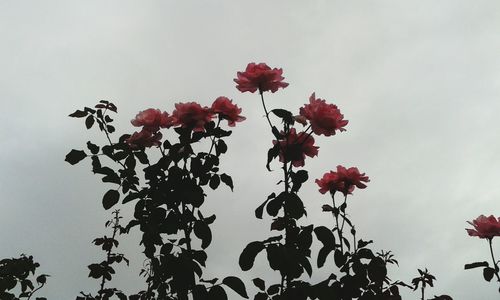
236,285
75,156
110,198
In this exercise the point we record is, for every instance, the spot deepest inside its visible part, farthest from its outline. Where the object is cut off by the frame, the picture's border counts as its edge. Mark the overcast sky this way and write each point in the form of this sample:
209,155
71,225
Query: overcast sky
419,82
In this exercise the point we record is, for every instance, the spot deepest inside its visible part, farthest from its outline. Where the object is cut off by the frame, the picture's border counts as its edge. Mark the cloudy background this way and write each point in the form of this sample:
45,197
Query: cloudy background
419,82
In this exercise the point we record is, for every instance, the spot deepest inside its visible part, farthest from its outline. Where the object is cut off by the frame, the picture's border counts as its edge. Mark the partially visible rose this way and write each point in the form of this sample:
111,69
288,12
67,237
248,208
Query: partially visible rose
143,139
227,110
260,77
300,119
191,115
324,118
295,147
152,119
344,180
485,227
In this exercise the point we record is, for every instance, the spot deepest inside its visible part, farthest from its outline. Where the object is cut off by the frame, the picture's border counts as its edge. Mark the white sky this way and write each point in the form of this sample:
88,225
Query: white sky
419,82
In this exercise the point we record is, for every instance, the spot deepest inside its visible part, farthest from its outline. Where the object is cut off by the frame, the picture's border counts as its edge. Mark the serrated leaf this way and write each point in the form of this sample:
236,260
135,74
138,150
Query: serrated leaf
75,156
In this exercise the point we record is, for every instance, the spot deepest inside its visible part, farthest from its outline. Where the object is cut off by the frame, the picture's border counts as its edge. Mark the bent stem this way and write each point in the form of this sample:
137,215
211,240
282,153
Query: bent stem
265,110
490,242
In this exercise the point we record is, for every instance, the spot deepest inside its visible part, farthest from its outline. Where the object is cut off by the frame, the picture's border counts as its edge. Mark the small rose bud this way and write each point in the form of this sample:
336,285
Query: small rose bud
300,119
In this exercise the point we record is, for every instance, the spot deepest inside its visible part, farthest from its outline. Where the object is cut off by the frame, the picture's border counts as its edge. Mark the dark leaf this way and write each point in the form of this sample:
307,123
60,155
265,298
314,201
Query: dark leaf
227,180
202,231
75,156
220,147
322,255
78,114
259,210
283,114
260,296
340,258
236,285
325,236
488,273
110,198
259,283
476,265
94,149
214,181
217,293
248,255
272,154
42,279
298,179
89,121
273,289
362,244
274,206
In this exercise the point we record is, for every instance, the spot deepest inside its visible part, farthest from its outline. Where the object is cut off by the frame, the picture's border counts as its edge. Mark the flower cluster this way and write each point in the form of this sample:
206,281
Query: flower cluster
189,115
485,227
343,180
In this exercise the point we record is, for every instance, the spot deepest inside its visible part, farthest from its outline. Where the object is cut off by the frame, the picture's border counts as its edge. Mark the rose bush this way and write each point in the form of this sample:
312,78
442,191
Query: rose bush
165,181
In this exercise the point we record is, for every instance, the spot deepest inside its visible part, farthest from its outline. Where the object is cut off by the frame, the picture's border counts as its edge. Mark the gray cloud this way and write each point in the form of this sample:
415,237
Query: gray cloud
418,80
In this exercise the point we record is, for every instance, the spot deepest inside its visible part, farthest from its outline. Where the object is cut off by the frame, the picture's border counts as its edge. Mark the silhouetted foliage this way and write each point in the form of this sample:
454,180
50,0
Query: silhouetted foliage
18,274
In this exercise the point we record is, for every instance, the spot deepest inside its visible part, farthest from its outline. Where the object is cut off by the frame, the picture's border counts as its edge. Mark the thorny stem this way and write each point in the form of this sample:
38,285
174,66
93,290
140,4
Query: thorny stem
265,110
286,173
490,242
116,220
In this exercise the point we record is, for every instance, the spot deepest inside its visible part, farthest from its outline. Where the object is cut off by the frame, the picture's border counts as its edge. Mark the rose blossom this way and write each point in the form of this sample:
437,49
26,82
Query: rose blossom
144,138
295,147
324,118
152,119
260,77
191,115
227,110
485,227
344,180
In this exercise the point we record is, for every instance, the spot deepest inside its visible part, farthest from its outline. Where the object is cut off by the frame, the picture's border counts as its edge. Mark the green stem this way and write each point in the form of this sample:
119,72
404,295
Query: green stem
490,242
265,110
336,215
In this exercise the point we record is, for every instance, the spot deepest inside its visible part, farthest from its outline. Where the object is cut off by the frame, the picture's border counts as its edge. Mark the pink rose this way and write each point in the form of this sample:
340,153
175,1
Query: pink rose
227,110
191,115
344,180
260,77
144,138
152,119
325,118
295,147
485,227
